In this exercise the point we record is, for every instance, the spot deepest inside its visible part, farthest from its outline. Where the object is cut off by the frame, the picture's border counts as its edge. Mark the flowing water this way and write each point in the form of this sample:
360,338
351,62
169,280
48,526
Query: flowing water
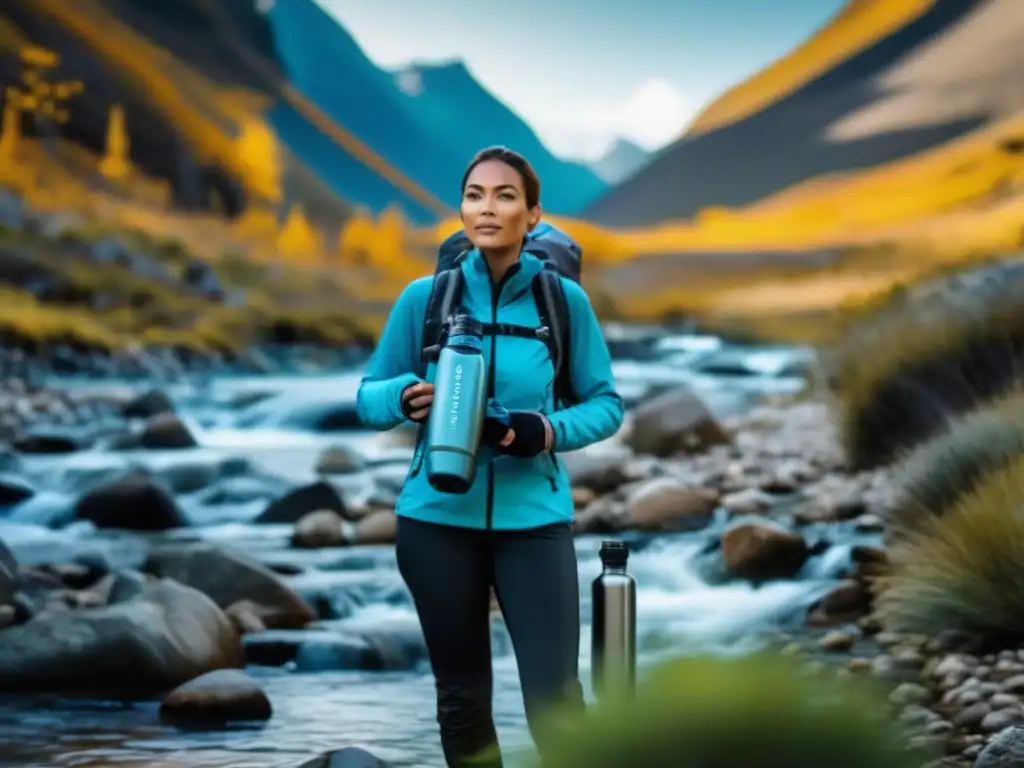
318,708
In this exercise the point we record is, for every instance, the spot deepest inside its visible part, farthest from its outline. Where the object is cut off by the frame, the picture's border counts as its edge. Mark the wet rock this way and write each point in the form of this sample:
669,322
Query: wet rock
221,696
1005,750
844,601
666,504
290,507
227,576
1001,719
14,490
674,421
340,460
148,404
761,551
601,468
838,641
751,501
349,757
160,639
910,693
166,432
9,576
120,586
377,527
133,502
245,616
323,528
47,441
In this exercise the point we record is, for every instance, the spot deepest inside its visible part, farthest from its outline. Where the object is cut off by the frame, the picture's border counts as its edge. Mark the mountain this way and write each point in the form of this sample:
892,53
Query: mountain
940,70
192,76
622,160
460,112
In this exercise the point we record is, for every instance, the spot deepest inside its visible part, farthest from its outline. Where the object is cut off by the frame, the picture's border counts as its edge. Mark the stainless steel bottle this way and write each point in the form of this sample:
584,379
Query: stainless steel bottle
613,642
457,415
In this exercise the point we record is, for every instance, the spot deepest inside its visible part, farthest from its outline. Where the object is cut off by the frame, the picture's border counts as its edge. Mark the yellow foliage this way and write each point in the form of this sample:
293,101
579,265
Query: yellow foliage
298,239
10,134
357,240
260,156
116,164
858,25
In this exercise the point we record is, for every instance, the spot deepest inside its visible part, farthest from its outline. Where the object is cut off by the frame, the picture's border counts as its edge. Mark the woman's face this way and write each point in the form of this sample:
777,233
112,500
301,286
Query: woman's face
494,211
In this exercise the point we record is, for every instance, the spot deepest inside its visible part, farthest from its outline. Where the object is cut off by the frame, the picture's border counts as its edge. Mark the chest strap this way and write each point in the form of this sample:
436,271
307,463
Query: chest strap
522,331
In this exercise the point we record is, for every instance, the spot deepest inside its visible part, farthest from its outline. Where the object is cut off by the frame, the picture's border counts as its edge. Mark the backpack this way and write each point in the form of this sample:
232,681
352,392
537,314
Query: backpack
562,257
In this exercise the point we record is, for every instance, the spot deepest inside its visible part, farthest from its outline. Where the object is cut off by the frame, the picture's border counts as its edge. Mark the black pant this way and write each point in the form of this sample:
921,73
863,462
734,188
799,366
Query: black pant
449,572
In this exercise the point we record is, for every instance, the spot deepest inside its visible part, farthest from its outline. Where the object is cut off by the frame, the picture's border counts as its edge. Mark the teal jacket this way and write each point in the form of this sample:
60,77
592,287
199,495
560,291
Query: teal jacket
509,492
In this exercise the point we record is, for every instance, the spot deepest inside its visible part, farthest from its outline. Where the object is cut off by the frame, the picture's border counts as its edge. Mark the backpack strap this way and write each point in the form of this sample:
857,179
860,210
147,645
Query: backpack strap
445,298
553,310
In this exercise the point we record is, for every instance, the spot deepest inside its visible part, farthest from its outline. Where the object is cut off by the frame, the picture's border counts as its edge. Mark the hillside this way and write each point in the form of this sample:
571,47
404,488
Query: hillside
842,119
461,112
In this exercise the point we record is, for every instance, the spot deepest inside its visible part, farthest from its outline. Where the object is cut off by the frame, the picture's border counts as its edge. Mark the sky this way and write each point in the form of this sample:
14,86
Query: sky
585,72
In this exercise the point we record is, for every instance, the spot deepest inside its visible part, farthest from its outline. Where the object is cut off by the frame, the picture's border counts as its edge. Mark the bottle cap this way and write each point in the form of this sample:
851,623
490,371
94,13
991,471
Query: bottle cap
465,325
614,554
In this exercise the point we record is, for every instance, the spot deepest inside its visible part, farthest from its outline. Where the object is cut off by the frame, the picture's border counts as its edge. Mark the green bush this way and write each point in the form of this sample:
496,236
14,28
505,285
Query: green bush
760,712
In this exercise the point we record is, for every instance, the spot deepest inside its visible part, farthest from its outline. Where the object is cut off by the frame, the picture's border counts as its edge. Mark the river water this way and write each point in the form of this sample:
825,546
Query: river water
390,713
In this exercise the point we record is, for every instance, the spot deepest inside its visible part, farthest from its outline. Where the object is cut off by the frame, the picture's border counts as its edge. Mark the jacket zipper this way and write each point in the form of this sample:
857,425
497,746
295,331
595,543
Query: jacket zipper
495,297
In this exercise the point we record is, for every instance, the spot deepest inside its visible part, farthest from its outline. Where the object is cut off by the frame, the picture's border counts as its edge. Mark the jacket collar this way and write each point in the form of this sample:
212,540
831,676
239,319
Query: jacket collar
478,276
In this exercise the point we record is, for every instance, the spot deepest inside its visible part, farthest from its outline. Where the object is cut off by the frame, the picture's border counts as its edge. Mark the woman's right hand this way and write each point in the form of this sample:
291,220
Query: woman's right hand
416,400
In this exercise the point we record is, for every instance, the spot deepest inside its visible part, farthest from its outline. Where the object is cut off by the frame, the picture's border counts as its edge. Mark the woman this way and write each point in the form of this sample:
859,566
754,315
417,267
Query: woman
513,530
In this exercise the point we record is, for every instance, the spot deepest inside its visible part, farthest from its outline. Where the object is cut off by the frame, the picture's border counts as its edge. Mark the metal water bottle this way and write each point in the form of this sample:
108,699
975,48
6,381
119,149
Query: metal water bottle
457,415
613,643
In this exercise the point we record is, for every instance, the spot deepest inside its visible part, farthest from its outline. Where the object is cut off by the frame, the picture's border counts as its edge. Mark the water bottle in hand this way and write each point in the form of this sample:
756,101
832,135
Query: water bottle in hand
456,418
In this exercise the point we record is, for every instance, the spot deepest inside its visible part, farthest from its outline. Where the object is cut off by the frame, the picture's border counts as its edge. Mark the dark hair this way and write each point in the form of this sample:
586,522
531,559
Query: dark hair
515,161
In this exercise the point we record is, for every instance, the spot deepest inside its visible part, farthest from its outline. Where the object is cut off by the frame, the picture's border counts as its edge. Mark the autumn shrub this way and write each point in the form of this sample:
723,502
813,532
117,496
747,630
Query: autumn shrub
898,377
757,712
934,476
964,571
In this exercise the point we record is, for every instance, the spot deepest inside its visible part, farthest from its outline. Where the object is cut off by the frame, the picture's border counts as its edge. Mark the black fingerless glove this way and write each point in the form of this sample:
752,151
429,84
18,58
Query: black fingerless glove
496,425
530,434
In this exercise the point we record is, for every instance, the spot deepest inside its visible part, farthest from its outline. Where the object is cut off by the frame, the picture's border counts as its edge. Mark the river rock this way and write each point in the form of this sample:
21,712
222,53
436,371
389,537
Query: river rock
323,528
14,490
8,575
601,468
166,431
761,551
290,507
340,460
227,576
162,638
1005,750
133,501
220,696
245,615
674,421
147,404
349,757
378,527
667,504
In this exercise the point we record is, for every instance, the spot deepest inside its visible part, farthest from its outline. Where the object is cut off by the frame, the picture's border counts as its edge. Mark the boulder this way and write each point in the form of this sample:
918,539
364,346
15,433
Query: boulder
763,551
162,638
134,502
228,576
221,696
675,421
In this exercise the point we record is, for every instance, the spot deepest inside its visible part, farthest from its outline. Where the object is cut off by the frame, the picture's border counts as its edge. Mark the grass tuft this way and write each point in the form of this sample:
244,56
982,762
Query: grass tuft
758,712
964,571
904,372
935,475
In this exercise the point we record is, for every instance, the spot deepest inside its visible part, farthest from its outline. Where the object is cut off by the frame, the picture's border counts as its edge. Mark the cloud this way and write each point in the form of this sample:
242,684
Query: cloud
652,115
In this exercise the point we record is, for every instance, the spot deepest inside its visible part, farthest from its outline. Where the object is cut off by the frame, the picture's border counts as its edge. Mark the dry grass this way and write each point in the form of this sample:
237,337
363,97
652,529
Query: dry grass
941,471
756,713
965,570
897,379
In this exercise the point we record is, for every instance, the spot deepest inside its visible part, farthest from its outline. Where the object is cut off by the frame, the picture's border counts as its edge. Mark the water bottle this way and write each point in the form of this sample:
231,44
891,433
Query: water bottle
457,415
613,642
